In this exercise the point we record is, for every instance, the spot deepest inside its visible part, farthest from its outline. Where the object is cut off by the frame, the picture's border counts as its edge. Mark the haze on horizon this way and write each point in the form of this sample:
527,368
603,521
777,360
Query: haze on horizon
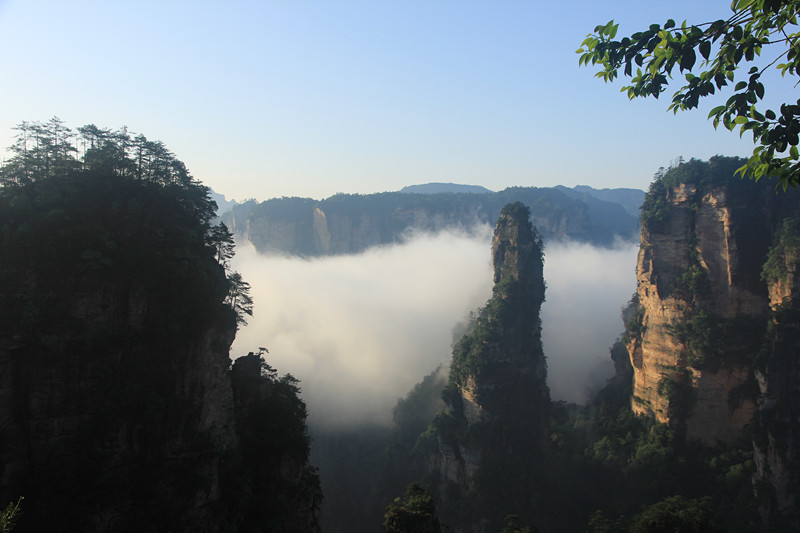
270,99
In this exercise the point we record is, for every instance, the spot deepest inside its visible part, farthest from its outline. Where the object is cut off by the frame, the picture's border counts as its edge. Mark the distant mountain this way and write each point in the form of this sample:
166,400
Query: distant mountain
351,223
223,204
630,199
606,212
436,188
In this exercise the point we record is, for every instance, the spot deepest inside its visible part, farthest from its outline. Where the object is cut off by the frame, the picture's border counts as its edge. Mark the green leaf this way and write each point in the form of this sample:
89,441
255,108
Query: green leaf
688,59
705,49
716,111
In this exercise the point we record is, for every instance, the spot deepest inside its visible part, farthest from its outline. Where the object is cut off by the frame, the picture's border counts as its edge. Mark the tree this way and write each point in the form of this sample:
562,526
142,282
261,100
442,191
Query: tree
725,46
676,513
10,515
415,512
239,298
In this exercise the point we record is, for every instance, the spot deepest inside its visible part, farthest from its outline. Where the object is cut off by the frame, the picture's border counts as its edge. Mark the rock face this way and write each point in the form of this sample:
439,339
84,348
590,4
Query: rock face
497,395
117,408
115,431
776,445
714,344
703,304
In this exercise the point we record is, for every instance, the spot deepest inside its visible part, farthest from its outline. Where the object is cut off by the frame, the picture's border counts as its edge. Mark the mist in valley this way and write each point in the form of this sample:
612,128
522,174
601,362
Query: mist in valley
581,316
360,330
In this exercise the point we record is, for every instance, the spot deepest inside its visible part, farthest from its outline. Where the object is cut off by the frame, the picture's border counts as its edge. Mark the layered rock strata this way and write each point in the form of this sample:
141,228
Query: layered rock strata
702,301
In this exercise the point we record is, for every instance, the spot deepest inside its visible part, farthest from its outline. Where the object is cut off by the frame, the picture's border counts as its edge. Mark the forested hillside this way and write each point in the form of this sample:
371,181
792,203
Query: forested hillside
117,310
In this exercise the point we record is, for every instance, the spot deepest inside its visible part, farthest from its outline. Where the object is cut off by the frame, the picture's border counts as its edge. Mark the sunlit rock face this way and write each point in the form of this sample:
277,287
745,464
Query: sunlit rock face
703,302
700,237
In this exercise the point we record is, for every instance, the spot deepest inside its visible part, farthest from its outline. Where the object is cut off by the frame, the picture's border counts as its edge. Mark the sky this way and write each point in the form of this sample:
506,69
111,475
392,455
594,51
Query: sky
310,98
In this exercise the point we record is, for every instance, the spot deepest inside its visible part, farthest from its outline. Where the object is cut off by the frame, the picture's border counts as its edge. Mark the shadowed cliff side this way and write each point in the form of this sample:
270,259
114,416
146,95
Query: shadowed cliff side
777,450
117,313
487,445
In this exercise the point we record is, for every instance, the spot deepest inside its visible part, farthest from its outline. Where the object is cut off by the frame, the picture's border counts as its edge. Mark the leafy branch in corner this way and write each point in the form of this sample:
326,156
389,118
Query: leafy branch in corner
723,47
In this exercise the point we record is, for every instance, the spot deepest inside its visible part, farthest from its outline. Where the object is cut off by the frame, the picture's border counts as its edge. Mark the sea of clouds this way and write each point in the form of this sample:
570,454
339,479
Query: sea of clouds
360,330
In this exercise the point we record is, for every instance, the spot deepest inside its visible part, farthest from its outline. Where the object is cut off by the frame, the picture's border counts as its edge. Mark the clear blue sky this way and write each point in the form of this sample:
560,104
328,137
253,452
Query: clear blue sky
309,98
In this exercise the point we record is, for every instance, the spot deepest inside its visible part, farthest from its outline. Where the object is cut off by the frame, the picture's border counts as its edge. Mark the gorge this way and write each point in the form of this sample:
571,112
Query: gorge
119,403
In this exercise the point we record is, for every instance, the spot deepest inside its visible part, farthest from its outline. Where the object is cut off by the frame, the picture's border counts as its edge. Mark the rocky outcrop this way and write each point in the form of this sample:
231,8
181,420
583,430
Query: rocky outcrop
117,410
702,302
114,431
497,395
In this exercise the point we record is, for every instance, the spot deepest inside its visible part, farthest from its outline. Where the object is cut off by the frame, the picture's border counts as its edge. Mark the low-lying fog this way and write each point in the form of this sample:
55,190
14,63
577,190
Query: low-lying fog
359,331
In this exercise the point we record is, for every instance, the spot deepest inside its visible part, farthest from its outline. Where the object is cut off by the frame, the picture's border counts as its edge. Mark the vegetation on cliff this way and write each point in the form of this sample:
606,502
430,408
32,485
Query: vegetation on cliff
124,210
708,336
414,512
275,487
117,310
784,255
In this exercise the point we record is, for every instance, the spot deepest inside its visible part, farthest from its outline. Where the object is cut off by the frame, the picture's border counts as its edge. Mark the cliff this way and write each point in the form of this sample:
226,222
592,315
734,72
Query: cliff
776,445
497,394
704,304
345,224
117,409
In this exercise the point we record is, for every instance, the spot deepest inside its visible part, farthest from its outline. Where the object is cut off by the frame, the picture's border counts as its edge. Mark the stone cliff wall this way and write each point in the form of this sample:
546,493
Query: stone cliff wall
777,436
116,429
117,409
696,244
703,304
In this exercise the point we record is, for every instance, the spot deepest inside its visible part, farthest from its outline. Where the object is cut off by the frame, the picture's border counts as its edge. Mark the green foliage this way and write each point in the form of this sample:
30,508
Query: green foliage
722,48
712,340
512,526
784,255
634,327
608,465
414,512
696,174
10,515
693,282
676,389
125,203
676,513
414,413
282,490
516,211
510,301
